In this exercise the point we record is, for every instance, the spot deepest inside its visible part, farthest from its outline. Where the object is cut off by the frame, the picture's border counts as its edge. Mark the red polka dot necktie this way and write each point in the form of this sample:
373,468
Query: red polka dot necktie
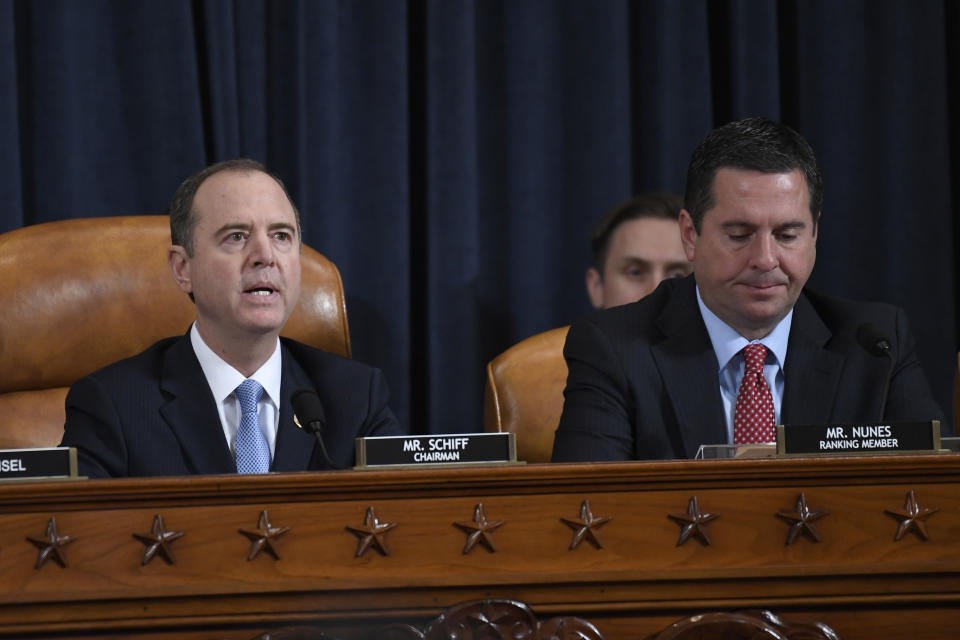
753,419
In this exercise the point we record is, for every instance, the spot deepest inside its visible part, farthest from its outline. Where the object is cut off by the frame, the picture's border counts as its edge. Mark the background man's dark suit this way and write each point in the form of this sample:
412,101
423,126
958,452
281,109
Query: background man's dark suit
159,416
643,380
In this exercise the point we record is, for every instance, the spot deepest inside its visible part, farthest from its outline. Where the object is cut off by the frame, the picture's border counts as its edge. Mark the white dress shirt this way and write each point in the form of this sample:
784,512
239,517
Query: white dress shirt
224,379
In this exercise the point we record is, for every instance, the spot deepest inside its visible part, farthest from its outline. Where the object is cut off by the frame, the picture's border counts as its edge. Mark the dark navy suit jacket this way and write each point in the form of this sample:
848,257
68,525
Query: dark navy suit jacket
643,380
154,414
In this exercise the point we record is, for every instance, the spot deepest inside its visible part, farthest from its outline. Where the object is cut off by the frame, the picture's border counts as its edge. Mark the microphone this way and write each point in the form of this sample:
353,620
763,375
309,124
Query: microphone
873,340
309,414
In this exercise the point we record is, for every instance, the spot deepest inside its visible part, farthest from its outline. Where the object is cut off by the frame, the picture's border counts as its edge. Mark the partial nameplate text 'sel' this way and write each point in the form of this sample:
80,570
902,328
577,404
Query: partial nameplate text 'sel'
33,464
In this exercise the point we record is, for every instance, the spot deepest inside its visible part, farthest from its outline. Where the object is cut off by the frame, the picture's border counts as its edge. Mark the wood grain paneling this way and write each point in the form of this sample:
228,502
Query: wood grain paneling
857,578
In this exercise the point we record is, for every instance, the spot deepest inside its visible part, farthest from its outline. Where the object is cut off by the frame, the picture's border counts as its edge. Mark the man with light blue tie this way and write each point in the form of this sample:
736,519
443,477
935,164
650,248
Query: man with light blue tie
725,354
218,399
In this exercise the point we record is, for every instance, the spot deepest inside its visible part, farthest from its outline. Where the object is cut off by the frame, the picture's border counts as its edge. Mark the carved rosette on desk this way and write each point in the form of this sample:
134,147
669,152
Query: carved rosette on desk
745,624
492,619
507,619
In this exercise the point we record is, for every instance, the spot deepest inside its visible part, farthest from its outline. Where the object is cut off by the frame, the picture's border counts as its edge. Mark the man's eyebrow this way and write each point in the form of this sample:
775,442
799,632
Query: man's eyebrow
628,260
234,226
740,224
246,226
795,224
737,224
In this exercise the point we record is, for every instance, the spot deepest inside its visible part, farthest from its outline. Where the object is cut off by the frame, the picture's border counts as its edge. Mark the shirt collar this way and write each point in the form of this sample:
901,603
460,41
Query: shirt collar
224,379
727,342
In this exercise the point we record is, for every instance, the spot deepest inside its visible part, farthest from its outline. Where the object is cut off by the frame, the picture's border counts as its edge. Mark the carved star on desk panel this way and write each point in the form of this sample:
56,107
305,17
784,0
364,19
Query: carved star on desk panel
264,537
586,528
802,519
693,523
373,534
911,517
158,541
52,546
480,531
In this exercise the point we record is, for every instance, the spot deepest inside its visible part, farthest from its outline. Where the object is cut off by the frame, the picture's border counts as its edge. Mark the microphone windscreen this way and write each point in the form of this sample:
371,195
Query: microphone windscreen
308,408
873,339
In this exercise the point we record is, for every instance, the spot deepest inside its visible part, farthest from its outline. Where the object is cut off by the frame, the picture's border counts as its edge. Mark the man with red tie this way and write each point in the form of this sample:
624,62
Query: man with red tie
724,355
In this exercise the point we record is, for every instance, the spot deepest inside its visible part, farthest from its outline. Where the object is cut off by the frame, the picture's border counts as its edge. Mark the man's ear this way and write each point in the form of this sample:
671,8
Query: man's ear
688,234
179,263
595,288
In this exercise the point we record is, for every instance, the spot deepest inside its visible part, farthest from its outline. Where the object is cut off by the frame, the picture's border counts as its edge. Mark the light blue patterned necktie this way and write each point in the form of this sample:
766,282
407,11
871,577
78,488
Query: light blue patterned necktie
253,452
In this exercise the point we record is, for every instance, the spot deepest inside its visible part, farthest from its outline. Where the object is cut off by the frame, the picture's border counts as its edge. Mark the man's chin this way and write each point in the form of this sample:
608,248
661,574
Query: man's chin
264,324
764,317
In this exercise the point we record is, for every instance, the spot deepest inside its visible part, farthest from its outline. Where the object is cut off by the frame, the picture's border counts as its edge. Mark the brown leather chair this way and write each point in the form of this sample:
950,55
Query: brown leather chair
80,294
524,393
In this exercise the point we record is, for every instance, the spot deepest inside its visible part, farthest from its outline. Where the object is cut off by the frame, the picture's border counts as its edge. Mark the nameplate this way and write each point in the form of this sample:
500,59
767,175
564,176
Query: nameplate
35,464
446,450
854,439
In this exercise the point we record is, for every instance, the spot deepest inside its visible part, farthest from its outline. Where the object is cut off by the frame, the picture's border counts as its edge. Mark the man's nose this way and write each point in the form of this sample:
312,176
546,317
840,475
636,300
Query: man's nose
657,275
261,250
764,254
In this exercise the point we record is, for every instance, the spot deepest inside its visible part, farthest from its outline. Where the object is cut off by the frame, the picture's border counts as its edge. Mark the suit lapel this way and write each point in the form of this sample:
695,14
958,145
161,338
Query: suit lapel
294,446
688,368
191,412
811,372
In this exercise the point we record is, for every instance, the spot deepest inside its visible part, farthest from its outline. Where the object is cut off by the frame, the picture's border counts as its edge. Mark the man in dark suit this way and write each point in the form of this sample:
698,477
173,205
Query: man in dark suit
657,378
217,400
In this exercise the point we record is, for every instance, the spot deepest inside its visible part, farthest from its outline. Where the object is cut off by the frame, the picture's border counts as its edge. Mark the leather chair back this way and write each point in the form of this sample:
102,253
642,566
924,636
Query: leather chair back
524,393
80,294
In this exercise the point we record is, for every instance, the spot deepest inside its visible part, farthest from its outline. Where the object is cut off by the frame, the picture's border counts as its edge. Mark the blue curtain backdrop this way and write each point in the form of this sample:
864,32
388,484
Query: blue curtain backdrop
451,156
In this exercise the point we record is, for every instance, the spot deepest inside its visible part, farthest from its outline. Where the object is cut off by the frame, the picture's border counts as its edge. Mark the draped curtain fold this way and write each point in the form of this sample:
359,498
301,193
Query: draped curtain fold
451,156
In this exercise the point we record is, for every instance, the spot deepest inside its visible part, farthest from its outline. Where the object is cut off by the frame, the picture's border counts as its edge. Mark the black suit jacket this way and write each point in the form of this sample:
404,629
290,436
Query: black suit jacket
154,414
643,378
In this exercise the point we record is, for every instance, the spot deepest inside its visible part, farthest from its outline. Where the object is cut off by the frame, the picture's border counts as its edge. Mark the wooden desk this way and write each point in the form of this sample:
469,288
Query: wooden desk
857,578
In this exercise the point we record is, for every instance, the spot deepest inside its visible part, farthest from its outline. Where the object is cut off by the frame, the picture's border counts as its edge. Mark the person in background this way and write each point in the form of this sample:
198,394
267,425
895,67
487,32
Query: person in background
636,245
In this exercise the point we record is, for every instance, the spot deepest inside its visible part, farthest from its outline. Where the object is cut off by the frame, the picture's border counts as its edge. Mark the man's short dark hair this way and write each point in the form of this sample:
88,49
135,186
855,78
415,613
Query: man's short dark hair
754,144
646,205
182,219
